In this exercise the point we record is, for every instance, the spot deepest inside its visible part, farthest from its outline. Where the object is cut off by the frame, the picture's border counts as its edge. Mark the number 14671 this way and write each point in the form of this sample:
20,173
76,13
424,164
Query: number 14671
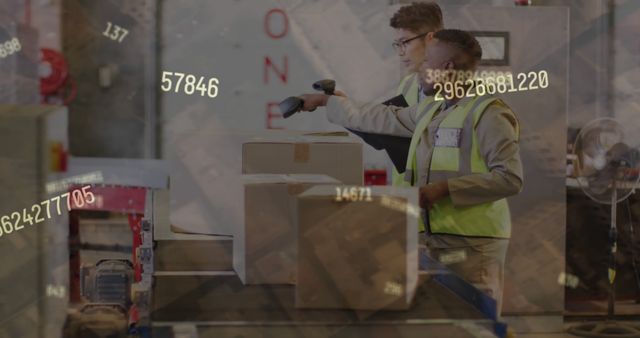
353,194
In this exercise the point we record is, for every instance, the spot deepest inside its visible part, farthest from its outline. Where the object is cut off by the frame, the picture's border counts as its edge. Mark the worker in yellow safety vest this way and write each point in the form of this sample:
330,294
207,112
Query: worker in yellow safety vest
414,26
464,157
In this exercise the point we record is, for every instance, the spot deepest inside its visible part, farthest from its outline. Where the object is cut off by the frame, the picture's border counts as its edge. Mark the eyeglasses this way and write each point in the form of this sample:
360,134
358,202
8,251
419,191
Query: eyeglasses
401,46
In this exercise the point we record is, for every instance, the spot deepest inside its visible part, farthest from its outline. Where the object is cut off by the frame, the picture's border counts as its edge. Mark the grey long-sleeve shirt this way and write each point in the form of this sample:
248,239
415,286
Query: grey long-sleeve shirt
497,138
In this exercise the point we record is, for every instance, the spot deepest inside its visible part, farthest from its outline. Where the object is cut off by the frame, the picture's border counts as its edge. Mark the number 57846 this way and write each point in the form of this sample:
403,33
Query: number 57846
190,85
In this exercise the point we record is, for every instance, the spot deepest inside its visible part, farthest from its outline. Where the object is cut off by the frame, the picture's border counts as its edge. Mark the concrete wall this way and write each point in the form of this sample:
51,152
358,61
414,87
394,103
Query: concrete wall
625,95
227,39
113,121
19,83
589,53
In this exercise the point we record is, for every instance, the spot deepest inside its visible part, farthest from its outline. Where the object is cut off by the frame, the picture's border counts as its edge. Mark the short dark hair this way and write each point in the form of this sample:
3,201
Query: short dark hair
419,17
464,41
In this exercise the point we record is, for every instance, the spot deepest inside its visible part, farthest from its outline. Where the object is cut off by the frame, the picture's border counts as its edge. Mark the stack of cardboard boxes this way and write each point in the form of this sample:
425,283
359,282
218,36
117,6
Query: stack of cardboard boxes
264,249
295,229
276,172
351,253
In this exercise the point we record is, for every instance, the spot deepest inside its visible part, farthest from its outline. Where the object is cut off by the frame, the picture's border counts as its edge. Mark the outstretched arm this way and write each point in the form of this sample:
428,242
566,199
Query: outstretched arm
371,117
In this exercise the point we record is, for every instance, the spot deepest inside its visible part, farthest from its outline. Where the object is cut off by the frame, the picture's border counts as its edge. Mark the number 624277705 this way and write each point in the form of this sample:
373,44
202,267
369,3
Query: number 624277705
16,220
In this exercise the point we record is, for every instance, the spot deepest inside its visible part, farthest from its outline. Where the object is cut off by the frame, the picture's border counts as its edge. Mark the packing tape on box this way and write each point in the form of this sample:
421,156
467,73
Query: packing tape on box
295,188
301,153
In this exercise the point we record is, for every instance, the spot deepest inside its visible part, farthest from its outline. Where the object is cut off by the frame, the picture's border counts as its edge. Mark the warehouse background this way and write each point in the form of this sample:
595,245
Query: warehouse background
603,52
263,51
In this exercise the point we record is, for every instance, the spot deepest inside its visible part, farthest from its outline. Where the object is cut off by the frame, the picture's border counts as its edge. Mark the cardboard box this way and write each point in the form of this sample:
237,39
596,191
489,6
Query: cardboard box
206,175
357,254
335,156
264,250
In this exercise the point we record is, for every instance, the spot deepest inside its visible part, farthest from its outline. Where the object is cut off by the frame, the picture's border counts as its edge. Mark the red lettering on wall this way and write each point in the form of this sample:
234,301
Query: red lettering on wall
281,74
271,115
267,23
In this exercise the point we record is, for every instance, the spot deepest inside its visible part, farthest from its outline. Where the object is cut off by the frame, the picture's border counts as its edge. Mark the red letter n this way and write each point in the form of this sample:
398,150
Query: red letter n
281,74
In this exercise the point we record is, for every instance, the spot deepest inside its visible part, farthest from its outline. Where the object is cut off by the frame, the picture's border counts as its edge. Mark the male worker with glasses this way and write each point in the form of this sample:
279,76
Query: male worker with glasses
413,26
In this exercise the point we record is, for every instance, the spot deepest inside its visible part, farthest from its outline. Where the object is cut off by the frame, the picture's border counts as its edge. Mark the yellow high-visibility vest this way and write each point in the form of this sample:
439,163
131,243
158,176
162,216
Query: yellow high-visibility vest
409,89
457,154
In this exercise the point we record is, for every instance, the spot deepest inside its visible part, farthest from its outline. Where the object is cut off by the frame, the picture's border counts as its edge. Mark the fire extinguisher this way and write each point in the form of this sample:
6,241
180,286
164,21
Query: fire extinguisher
55,79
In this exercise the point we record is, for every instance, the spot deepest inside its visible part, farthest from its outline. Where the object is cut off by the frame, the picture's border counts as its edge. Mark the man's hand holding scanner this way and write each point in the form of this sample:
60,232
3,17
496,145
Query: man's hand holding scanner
313,101
432,193
309,102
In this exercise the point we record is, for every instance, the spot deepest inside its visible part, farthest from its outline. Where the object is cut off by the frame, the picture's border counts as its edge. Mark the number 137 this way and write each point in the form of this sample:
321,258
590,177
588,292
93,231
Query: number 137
114,34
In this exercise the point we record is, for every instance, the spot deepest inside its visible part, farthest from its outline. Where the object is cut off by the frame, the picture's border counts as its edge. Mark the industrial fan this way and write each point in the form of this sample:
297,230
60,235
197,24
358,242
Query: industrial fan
607,171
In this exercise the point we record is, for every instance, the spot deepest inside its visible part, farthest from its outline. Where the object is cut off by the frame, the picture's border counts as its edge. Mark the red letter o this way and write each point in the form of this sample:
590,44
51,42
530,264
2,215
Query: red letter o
285,20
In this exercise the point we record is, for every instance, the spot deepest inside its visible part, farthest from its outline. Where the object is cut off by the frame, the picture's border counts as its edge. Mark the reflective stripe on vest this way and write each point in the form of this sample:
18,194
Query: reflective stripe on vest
464,158
407,83
409,89
424,113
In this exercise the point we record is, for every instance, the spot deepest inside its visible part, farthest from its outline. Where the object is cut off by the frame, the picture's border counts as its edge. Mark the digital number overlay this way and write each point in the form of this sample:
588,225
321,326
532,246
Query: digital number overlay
393,288
453,257
568,280
211,89
58,291
17,220
353,194
451,84
396,204
117,33
9,47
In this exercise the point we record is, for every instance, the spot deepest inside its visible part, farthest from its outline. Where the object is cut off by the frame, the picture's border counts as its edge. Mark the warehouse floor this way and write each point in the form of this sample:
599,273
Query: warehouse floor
556,326
545,335
556,334
560,332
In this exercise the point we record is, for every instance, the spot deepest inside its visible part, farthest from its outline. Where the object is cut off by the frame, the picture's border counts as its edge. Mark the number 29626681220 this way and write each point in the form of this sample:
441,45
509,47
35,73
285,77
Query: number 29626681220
452,84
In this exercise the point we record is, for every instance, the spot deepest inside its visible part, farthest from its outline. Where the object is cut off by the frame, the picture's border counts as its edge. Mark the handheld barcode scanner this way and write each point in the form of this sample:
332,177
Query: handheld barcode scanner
290,106
293,104
327,86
